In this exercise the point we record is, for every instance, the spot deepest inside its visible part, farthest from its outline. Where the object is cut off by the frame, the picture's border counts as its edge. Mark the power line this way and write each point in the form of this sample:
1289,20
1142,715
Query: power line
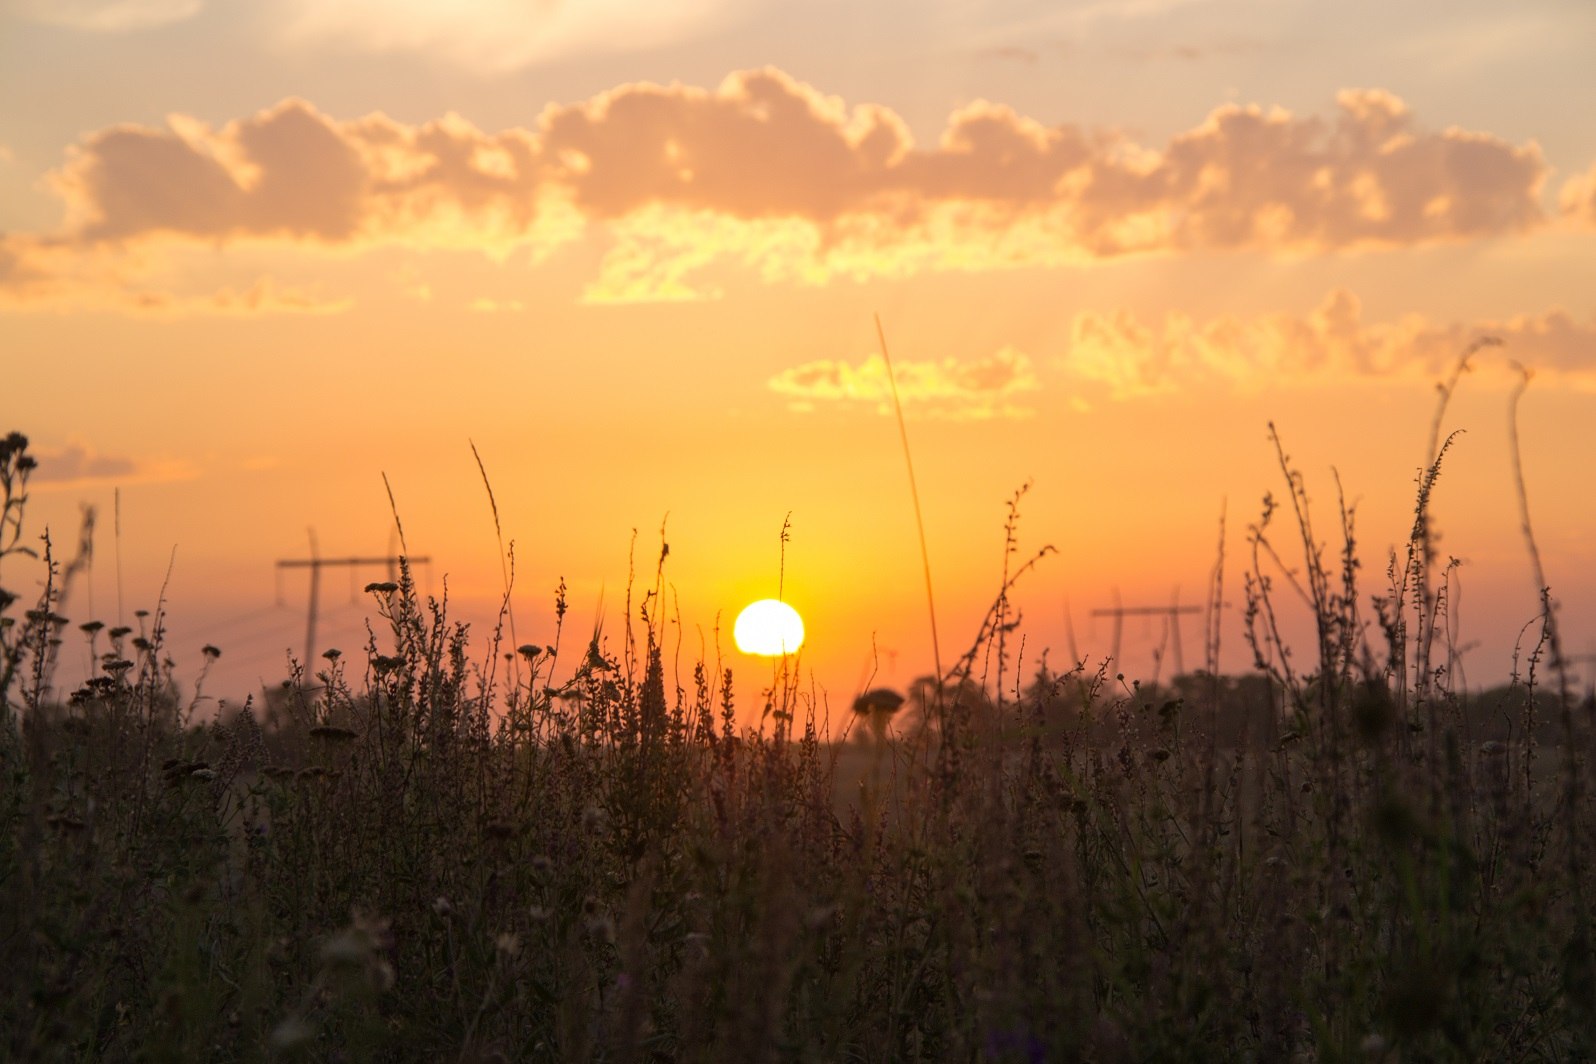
315,563
1171,613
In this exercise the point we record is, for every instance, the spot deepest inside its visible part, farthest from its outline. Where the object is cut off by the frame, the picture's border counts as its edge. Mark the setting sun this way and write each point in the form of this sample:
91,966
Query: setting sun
770,628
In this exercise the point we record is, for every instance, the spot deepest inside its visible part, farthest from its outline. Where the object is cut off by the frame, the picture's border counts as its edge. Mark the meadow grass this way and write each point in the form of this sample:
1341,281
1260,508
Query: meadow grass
412,855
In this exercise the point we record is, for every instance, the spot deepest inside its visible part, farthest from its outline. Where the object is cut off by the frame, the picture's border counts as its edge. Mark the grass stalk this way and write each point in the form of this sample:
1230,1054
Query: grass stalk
919,516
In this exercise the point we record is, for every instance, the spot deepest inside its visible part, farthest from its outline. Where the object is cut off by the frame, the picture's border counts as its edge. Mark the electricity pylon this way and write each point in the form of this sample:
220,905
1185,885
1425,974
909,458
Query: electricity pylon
315,563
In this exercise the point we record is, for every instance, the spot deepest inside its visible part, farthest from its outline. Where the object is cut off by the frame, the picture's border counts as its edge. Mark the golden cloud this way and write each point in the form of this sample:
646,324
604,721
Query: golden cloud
766,174
978,389
1132,358
290,173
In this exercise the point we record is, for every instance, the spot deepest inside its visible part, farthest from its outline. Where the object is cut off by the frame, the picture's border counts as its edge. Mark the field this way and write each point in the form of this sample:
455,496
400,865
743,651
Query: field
553,853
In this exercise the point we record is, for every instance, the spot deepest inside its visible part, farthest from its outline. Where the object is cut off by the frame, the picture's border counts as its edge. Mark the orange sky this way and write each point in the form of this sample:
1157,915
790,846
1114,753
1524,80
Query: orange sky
252,257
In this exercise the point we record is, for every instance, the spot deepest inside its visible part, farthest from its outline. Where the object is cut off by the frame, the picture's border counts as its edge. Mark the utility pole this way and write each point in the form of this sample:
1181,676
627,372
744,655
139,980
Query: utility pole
316,563
1585,659
1172,613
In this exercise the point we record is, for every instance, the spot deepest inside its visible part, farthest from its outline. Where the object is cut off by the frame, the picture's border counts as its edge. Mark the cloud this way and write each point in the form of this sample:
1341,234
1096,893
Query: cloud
262,297
979,389
49,275
77,464
1010,53
770,176
1132,358
484,305
496,36
1121,356
105,16
290,173
1577,198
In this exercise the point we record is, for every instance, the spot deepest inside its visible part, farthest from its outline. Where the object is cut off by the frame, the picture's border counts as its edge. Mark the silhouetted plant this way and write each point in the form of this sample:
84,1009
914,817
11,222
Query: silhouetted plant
418,854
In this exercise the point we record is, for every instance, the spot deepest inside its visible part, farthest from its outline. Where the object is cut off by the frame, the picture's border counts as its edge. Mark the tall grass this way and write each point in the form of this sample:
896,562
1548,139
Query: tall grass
412,856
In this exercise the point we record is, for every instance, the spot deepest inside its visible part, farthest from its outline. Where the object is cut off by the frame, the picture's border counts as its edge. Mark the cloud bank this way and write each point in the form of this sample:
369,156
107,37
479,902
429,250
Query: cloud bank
1133,358
1121,357
768,176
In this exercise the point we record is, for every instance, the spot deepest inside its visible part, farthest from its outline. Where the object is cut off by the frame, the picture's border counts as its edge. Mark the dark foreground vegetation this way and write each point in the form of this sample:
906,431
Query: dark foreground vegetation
1338,858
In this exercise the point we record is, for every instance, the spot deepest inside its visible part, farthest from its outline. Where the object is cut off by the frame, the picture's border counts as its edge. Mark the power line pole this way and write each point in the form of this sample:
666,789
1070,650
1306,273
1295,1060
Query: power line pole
315,563
1172,613
1585,659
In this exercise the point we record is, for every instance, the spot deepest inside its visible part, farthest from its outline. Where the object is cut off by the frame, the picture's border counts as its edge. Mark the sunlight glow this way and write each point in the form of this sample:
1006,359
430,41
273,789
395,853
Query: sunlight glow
770,628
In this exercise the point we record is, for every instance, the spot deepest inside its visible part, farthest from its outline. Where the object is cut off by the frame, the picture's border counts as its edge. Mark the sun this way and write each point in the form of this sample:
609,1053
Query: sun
770,628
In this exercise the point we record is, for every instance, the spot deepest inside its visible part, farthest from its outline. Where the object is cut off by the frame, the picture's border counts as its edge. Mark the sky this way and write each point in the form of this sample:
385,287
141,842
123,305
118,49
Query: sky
257,257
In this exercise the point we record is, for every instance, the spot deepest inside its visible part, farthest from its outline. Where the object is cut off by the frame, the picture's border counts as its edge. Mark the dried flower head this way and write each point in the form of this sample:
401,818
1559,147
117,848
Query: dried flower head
880,700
